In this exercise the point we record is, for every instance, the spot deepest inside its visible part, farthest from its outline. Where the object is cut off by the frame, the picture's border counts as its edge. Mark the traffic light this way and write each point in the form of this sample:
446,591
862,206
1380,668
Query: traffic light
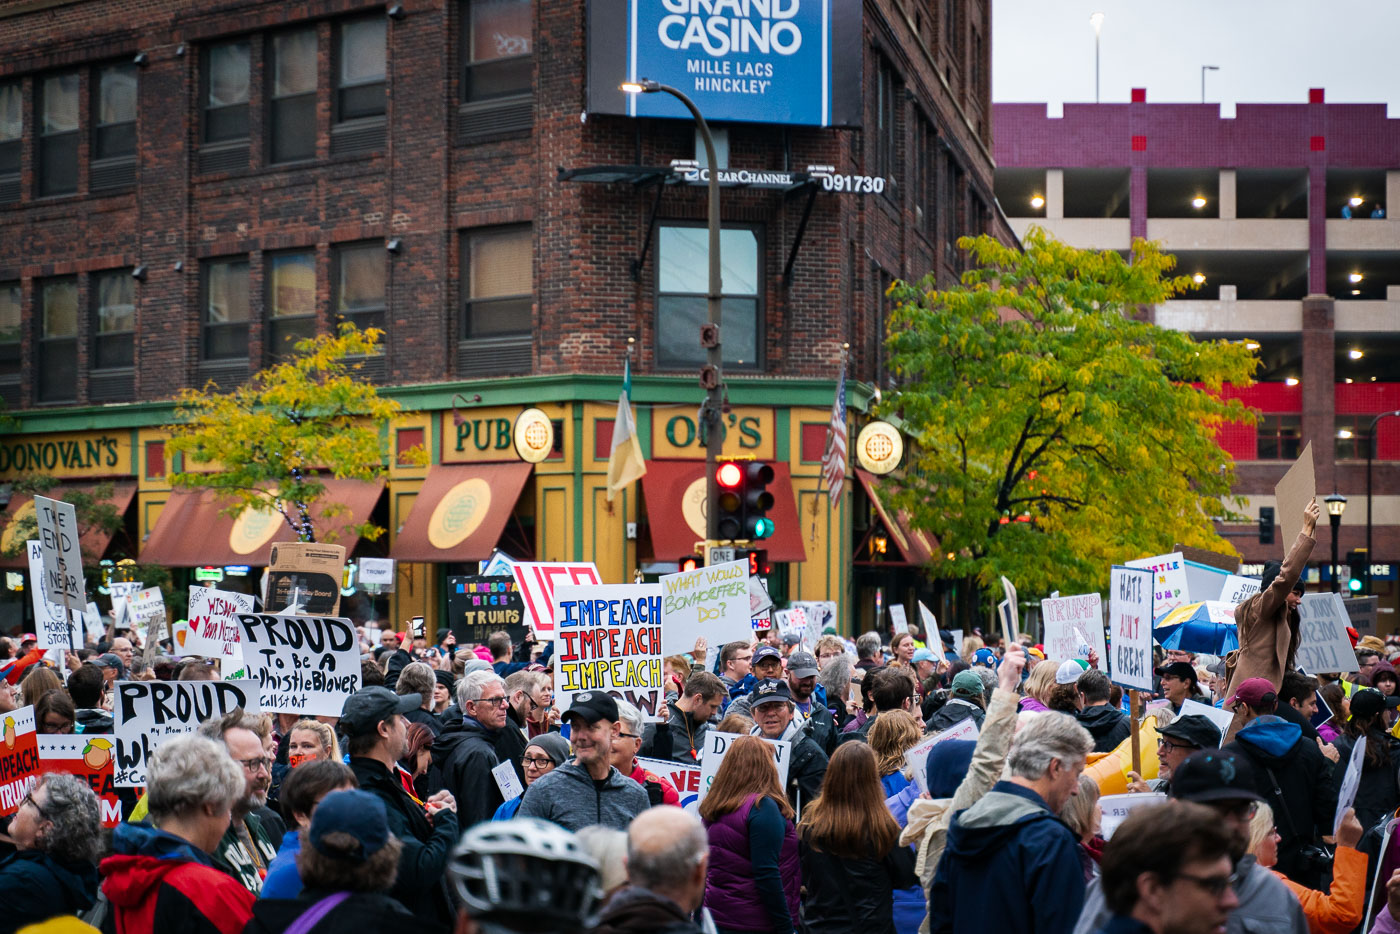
1356,565
757,501
690,564
730,477
1266,525
757,559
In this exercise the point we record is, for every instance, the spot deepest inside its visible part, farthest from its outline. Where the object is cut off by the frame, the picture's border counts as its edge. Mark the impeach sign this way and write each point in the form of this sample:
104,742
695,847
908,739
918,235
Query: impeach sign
147,713
303,665
19,758
608,638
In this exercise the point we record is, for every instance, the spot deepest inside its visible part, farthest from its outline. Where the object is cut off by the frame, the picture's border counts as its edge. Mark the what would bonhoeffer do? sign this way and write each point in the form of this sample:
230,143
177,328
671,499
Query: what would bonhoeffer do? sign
608,638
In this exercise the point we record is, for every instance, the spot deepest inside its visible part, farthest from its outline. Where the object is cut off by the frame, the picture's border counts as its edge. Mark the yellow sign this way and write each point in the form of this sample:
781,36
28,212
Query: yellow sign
7,538
879,447
459,513
497,434
254,529
534,436
748,432
85,454
693,507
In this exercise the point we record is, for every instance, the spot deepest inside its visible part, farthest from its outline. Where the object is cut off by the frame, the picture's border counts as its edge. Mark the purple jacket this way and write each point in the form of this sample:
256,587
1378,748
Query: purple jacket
731,894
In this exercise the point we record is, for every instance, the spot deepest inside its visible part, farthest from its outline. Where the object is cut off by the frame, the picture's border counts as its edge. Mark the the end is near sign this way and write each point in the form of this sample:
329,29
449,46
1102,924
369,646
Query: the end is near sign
63,560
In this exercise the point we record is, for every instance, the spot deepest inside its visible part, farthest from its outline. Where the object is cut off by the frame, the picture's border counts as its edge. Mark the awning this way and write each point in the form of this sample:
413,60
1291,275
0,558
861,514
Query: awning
460,512
675,498
191,533
93,541
916,546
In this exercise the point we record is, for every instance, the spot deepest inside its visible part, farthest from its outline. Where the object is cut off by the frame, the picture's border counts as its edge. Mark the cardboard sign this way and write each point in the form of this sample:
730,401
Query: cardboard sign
120,590
1362,612
1069,622
145,613
711,601
929,620
478,606
608,638
1323,643
537,580
1169,585
898,620
304,665
90,757
19,757
63,560
305,575
54,627
147,713
1011,616
916,758
1293,493
717,744
507,781
1116,808
685,778
1346,794
1130,607
377,572
214,623
1217,715
1238,589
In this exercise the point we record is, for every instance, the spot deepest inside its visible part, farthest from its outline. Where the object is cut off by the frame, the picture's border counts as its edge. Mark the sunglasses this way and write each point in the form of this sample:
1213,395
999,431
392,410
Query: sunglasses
1214,886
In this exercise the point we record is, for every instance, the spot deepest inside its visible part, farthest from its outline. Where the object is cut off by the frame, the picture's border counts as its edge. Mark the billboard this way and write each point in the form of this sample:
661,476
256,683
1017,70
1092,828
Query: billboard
754,61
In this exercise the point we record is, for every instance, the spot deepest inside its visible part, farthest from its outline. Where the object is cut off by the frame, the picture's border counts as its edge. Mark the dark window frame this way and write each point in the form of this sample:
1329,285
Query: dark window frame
886,129
470,67
525,300
206,110
277,328
759,298
343,113
290,104
11,150
121,343
47,143
12,350
1273,440
206,328
62,348
378,316
112,142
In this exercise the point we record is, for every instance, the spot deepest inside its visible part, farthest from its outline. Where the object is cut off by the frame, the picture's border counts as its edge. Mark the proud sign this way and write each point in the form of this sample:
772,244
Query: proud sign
147,713
303,664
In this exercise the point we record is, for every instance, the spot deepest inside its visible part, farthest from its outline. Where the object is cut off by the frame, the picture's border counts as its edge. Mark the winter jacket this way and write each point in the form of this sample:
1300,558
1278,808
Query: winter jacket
1378,793
755,875
463,758
853,893
1304,799
954,712
511,743
1009,852
427,719
92,720
283,877
635,910
676,739
1265,905
1339,910
158,883
910,902
1107,724
570,797
1031,705
808,765
421,884
35,887
1268,629
659,790
823,730
398,661
245,855
362,911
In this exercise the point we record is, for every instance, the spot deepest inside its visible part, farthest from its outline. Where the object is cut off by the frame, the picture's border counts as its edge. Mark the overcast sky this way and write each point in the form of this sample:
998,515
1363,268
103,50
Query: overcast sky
1269,51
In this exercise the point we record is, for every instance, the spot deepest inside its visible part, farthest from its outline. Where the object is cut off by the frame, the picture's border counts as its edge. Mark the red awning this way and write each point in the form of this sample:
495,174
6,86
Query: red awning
675,500
191,533
917,547
460,512
93,541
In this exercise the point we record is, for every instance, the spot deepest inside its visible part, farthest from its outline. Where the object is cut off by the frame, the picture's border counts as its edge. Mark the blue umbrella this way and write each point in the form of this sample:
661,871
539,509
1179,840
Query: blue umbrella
1208,626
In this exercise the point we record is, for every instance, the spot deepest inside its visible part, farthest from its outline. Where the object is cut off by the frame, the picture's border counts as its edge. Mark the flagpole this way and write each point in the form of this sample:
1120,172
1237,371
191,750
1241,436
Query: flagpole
821,477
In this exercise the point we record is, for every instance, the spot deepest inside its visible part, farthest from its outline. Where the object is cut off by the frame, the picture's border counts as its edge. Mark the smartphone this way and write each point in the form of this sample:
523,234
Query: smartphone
416,623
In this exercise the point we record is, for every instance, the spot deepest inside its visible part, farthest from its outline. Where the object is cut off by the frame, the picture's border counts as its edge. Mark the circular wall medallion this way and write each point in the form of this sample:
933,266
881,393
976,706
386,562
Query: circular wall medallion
693,507
254,529
459,513
534,436
879,447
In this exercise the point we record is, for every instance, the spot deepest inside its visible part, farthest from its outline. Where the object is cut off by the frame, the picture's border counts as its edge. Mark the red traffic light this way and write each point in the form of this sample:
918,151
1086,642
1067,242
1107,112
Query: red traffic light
690,564
729,476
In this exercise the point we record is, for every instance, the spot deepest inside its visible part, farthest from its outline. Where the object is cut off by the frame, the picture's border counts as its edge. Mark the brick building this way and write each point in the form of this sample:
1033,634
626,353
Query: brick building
1281,216
186,189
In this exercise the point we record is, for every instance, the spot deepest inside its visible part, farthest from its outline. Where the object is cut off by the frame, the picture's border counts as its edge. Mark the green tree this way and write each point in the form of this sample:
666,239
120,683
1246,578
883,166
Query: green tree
1054,431
268,443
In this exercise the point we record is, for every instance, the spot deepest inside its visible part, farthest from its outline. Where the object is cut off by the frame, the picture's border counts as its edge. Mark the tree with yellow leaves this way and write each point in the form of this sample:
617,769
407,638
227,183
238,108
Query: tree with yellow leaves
1054,431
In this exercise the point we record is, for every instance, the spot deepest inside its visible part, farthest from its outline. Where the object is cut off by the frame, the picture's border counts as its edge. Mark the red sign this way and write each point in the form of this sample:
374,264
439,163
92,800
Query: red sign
537,581
19,758
89,756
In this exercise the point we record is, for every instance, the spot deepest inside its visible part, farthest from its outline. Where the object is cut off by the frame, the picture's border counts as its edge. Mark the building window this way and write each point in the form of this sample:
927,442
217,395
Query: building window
291,302
886,91
1352,440
359,285
682,276
976,63
113,321
226,310
498,60
58,340
1279,437
114,119
11,334
292,96
360,69
58,134
11,134
500,282
951,206
924,174
228,77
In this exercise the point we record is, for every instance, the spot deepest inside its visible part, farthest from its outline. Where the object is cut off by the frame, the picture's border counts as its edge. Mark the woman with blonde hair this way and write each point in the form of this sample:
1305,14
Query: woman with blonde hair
1338,911
892,735
970,646
37,682
1083,815
754,876
310,740
1040,684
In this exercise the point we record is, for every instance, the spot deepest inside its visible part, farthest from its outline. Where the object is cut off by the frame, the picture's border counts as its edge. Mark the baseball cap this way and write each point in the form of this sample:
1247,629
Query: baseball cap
1252,692
1195,730
967,683
593,706
1180,670
792,638
765,652
368,707
769,690
802,665
924,655
1069,671
1368,702
354,812
1214,775
108,660
986,658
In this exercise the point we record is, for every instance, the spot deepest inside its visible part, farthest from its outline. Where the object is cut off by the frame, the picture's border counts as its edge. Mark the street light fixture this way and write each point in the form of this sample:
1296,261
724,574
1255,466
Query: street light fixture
1204,69
1096,20
712,376
1370,455
1336,505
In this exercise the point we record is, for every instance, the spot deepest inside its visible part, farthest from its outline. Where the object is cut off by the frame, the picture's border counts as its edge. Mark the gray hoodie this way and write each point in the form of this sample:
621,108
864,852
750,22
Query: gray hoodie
1265,905
570,797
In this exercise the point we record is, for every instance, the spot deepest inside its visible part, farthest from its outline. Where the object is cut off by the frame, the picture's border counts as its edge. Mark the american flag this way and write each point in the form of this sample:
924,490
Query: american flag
834,460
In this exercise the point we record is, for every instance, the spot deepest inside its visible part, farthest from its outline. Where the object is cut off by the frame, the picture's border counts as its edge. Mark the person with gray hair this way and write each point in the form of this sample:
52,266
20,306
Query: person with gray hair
160,876
668,857
868,650
623,757
54,868
465,753
1010,848
247,847
418,678
835,679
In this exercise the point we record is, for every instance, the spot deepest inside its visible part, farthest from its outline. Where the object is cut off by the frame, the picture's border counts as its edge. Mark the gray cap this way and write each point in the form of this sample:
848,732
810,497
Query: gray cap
802,665
553,745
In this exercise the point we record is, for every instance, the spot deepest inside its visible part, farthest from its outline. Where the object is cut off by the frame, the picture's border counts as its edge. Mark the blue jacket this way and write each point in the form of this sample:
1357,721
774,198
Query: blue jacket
1008,857
507,810
283,877
34,887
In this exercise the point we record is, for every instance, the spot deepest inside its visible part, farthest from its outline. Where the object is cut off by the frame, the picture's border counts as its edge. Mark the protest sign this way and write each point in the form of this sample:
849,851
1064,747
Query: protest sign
507,781
1130,619
305,665
1238,589
957,635
120,590
685,778
916,758
1069,622
52,626
1170,588
789,621
929,620
537,580
214,623
759,600
305,575
147,713
898,620
1011,617
717,744
816,616
63,560
711,601
478,606
608,638
1294,492
1323,643
145,613
1116,808
1346,793
19,758
1217,715
377,572
1362,611
87,756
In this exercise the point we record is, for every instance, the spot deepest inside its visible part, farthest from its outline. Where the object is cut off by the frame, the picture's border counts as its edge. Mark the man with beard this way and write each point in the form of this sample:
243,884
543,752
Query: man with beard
246,848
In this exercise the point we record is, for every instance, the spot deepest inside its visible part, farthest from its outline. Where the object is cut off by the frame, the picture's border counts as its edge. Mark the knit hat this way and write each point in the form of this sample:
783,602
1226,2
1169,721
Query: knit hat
475,664
947,765
444,678
967,684
985,657
552,745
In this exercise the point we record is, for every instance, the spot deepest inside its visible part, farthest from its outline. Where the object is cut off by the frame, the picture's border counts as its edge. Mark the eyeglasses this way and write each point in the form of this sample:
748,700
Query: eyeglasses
629,736
542,762
1214,886
256,765
1168,744
29,800
497,701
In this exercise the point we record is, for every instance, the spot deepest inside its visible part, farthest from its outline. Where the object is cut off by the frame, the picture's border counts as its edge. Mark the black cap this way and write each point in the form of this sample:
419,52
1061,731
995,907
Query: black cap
1182,670
769,690
1195,730
1368,702
1214,775
368,707
593,706
764,652
802,665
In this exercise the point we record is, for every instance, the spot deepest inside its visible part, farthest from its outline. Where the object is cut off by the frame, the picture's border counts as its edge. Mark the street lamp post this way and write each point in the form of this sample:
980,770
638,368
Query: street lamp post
1204,69
712,377
1336,505
1370,454
1096,20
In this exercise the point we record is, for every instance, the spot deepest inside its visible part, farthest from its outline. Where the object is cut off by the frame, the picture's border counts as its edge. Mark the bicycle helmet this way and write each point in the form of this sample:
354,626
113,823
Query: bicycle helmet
526,875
